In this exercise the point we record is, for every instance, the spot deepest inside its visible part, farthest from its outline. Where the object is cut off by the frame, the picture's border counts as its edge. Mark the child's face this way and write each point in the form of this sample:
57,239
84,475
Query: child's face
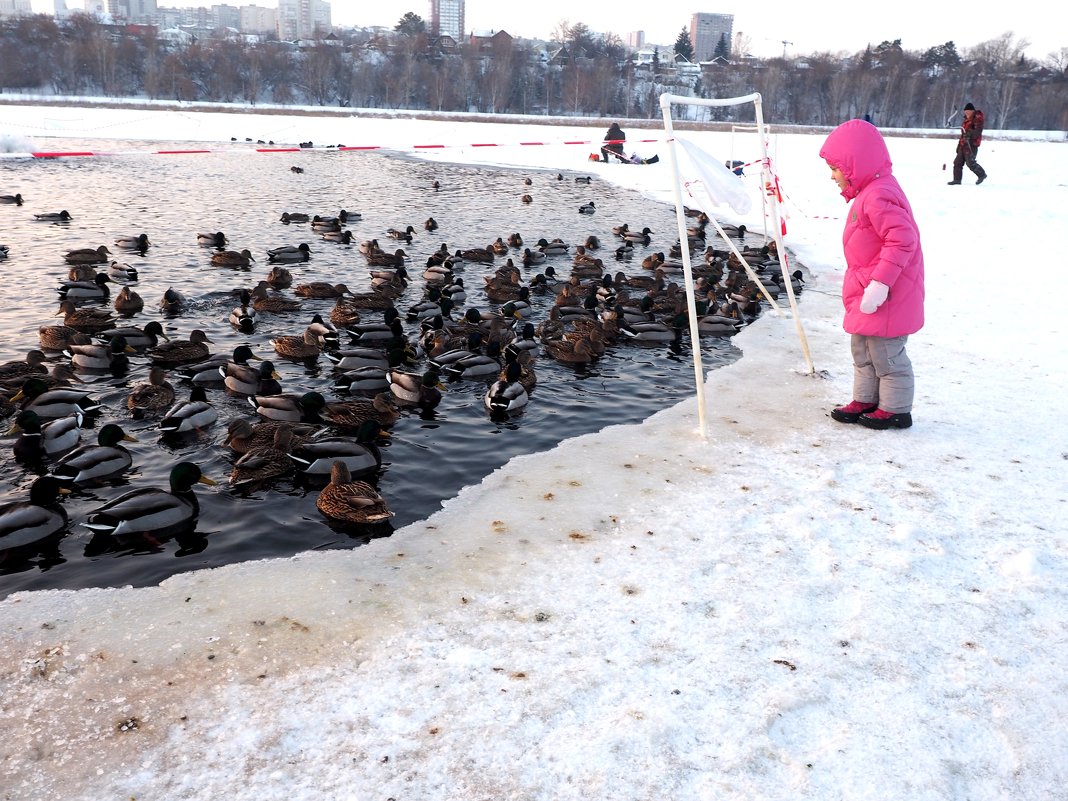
838,177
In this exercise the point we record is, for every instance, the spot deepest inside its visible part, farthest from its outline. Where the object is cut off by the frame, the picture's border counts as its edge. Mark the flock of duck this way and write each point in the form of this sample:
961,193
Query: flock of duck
389,355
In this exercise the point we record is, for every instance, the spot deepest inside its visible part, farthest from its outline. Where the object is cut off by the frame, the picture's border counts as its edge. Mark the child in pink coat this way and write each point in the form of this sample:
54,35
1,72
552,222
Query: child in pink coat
883,286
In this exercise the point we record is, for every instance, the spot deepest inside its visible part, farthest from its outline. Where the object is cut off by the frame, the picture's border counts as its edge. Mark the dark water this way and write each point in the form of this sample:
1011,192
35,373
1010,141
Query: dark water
430,457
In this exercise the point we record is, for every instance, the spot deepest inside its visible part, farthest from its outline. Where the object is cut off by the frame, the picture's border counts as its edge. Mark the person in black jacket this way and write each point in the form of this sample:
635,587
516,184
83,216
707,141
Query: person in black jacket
971,136
614,143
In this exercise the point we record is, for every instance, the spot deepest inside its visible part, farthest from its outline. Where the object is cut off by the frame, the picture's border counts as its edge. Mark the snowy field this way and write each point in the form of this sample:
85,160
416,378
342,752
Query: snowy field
791,609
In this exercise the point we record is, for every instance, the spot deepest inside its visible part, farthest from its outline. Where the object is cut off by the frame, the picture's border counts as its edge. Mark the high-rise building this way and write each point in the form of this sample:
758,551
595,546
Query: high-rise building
447,16
635,40
706,32
299,19
257,19
15,8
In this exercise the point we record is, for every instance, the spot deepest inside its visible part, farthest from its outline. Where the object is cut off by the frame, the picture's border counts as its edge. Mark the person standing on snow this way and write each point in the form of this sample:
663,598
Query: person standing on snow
614,140
971,136
883,288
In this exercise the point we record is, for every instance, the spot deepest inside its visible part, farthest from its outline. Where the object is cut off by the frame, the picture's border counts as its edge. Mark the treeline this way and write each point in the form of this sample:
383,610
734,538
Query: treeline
580,75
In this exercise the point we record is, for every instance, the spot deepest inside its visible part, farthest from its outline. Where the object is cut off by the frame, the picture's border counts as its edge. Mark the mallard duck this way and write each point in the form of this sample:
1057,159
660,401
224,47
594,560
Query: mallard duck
27,525
526,198
322,224
289,254
355,358
54,216
232,258
278,277
182,351
455,291
383,259
243,317
569,351
348,502
15,199
81,272
208,370
321,289
110,355
475,364
360,455
301,347
290,408
247,380
57,338
153,396
478,255
97,289
151,512
733,230
498,246
172,302
642,236
264,464
295,217
87,255
515,240
587,208
376,332
21,369
217,240
263,301
507,394
362,379
92,463
326,333
128,302
350,415
194,414
424,391
430,225
531,257
122,272
38,439
243,436
403,234
554,248
137,242
340,237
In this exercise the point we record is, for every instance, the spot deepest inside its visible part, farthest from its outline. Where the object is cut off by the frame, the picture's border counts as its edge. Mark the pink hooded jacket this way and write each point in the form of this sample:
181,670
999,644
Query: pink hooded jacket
881,241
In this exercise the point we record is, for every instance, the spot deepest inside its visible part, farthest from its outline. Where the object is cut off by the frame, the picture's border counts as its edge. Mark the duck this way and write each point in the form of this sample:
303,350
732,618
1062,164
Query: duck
232,258
507,394
57,338
498,246
345,501
127,302
341,237
587,208
279,277
247,380
591,243
87,255
261,465
347,359
208,370
39,440
383,259
97,289
303,347
27,525
515,240
291,408
377,332
403,234
81,272
91,464
295,217
155,395
242,435
110,355
478,255
554,248
430,224
531,257
322,224
191,415
138,242
321,289
526,198
642,236
15,199
54,216
424,391
569,351
150,512
122,272
243,317
368,378
217,240
359,454
475,364
182,351
262,301
346,311
654,330
172,302
738,231
19,370
290,254
326,333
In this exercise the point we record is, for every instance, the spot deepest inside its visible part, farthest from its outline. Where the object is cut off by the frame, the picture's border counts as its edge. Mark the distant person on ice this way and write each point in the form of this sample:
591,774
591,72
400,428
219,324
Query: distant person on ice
614,143
971,136
882,290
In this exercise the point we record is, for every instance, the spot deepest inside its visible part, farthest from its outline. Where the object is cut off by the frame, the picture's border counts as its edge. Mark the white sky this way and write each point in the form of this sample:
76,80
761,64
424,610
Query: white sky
918,24
795,609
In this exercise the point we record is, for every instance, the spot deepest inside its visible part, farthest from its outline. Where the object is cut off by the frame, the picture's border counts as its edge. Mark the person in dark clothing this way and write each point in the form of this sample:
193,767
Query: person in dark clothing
614,139
971,136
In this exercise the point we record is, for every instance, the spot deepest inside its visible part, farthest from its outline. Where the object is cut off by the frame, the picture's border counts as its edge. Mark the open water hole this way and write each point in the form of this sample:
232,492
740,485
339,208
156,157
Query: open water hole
431,456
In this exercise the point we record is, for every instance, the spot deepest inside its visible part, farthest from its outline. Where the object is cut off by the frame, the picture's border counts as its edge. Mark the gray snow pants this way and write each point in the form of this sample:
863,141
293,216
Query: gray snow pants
882,373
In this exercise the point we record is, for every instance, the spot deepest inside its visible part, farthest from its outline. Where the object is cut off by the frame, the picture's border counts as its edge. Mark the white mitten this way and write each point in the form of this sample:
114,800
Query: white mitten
874,297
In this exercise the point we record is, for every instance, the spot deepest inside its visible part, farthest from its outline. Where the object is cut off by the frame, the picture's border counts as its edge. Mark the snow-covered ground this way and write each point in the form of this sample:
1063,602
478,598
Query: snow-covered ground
791,609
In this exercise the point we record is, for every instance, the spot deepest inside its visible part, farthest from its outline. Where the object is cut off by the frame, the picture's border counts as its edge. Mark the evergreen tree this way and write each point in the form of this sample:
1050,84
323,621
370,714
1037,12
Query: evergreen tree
723,49
410,24
683,45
